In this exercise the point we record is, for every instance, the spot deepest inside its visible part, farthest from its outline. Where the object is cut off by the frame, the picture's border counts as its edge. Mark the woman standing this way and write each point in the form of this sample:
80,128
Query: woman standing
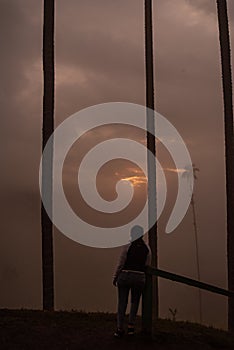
130,276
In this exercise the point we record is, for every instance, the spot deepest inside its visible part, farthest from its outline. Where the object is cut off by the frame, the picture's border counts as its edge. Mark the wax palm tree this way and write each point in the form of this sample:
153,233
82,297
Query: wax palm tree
189,173
47,173
229,145
150,299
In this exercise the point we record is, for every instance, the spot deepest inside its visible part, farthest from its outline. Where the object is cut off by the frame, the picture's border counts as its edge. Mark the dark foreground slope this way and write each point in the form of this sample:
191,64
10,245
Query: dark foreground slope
32,330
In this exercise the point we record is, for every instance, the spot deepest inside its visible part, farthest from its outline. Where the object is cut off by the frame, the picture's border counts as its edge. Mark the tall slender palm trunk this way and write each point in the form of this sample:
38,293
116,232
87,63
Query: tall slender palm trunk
190,173
229,146
150,300
197,255
47,168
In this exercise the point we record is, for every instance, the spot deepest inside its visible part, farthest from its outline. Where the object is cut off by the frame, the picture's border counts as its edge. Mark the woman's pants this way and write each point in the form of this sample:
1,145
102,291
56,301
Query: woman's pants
134,281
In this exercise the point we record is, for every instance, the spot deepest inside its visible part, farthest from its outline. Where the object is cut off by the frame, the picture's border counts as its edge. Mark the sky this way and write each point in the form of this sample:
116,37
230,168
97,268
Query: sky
99,51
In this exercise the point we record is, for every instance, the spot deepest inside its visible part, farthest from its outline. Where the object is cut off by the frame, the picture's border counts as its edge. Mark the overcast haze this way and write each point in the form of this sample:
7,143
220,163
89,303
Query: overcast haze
100,58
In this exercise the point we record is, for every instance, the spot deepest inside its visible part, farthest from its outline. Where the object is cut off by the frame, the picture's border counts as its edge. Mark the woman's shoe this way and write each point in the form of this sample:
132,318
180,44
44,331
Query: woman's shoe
131,330
119,333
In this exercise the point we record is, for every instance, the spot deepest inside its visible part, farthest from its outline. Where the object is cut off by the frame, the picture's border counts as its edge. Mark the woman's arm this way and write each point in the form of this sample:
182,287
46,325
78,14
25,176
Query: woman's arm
149,256
121,262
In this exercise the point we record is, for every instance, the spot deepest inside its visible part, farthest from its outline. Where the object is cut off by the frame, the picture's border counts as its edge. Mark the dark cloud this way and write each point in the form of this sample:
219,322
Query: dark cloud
210,7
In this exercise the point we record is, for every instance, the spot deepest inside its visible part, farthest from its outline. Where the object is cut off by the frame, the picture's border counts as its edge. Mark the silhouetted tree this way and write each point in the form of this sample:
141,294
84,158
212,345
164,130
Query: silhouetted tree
150,299
229,145
47,168
189,173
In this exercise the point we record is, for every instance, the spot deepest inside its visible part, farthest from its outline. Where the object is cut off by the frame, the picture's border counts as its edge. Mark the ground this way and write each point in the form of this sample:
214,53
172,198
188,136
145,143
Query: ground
34,330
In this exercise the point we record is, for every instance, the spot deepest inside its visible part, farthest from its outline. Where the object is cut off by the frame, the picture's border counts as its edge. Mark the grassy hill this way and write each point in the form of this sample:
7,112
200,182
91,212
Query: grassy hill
32,330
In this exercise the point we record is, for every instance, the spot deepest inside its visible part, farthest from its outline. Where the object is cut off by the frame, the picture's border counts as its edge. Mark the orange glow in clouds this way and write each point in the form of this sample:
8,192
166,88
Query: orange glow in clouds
137,179
175,170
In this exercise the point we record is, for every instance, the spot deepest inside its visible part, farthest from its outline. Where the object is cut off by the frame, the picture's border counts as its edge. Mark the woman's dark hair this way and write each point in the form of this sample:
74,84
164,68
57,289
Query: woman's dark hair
136,233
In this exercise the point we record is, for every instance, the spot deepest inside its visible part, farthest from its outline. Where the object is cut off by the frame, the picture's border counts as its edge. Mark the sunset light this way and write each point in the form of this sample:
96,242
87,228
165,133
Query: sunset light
134,175
136,181
175,170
